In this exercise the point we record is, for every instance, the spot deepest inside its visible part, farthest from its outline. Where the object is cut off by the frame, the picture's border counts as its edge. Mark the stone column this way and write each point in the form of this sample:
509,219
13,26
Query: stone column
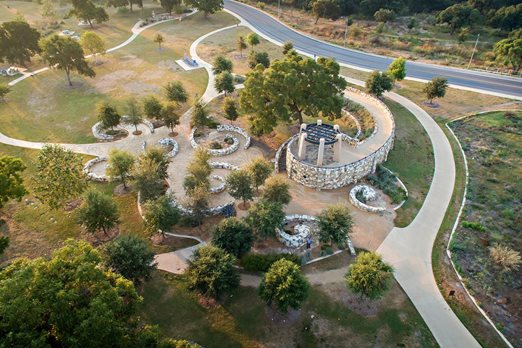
319,122
336,128
301,146
302,129
320,153
338,148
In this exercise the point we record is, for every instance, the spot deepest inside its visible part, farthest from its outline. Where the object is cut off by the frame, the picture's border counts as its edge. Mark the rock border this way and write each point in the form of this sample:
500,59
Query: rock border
215,152
93,176
298,240
165,142
363,206
221,187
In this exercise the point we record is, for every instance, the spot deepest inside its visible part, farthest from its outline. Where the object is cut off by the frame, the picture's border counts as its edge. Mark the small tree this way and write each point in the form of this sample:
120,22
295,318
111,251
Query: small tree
369,275
253,40
284,286
436,88
378,83
265,217
234,236
198,171
131,257
384,15
287,47
4,90
59,176
120,165
239,184
199,116
230,109
65,54
397,69
160,215
276,190
134,113
224,83
221,64
152,108
168,5
11,181
241,45
157,155
174,91
326,9
211,272
259,169
159,39
86,10
170,115
198,203
148,179
93,44
108,115
508,259
255,58
207,6
98,212
335,223
509,52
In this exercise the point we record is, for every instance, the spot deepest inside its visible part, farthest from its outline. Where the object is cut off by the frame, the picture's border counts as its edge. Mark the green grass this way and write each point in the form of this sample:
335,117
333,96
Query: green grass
412,160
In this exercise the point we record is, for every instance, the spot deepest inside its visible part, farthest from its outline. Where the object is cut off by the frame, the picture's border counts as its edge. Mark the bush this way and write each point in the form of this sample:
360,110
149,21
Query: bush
261,5
477,226
262,262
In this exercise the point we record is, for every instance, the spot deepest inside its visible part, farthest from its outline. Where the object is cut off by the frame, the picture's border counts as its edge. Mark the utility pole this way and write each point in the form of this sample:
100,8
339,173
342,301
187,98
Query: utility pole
345,29
474,48
278,8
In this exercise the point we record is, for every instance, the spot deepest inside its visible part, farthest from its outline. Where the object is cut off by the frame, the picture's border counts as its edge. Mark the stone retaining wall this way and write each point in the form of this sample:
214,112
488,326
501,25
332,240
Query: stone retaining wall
279,152
223,165
360,205
216,152
239,130
221,187
98,130
166,142
213,211
92,176
299,239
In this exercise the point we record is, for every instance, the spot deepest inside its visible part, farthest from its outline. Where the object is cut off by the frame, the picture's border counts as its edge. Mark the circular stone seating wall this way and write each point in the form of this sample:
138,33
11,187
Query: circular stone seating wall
98,131
166,142
367,191
215,152
296,240
213,211
93,176
221,187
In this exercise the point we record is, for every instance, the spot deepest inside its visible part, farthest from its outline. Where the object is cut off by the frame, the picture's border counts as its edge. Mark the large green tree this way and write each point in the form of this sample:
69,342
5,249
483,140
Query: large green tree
284,286
369,275
509,52
379,82
108,115
152,108
239,184
131,257
98,212
234,236
265,217
207,6
221,64
66,54
119,165
18,42
11,181
160,215
148,178
59,176
458,16
291,88
276,189
174,91
86,10
335,223
224,82
255,58
70,300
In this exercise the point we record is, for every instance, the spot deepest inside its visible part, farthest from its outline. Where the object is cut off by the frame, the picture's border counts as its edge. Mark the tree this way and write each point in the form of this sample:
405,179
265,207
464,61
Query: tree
284,286
98,212
241,45
198,203
170,116
123,3
508,259
108,115
174,91
458,16
255,58
335,223
152,108
131,257
157,155
92,43
70,300
287,47
198,171
211,272
326,9
11,181
384,15
87,11
199,116
224,82
159,39
509,52
4,244
4,90
160,215
134,113
369,275
436,88
65,54
148,179
230,109
18,42
170,343
276,190
207,6
234,236
507,18
48,9
259,169
397,69
168,5
239,184
290,88
379,82
265,217
120,165
221,64
253,40
59,176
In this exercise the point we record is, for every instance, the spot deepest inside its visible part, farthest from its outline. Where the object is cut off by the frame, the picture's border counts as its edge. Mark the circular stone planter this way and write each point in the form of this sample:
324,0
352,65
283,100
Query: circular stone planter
216,152
369,195
169,142
306,225
95,169
219,188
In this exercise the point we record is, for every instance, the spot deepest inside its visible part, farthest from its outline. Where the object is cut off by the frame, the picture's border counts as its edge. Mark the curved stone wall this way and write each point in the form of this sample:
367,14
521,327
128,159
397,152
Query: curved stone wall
369,193
93,176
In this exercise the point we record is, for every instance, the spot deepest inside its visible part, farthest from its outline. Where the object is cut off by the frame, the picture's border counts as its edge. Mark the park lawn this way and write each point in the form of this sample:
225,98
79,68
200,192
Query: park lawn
412,160
225,43
243,320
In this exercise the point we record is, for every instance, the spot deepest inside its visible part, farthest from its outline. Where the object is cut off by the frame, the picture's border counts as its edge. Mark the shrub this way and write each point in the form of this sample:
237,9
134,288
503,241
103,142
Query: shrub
262,262
505,257
387,182
261,5
477,226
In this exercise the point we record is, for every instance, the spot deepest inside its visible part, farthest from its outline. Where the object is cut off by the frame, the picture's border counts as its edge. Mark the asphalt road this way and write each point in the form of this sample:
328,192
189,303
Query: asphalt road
270,27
